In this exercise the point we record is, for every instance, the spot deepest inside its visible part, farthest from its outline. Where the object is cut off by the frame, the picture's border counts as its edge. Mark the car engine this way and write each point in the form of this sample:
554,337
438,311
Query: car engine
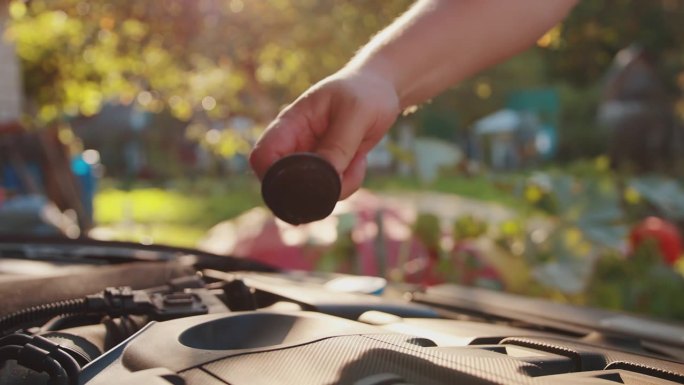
100,313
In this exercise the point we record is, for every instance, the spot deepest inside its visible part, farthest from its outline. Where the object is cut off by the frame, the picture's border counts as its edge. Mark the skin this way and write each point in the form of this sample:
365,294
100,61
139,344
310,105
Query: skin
433,46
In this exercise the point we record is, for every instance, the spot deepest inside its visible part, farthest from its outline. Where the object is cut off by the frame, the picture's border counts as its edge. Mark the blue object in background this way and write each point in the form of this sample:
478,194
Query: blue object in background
11,180
545,104
546,141
87,181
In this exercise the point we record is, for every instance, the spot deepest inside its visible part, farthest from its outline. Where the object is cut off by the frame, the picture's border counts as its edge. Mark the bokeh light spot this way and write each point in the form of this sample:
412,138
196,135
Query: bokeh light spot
91,156
236,6
144,98
208,103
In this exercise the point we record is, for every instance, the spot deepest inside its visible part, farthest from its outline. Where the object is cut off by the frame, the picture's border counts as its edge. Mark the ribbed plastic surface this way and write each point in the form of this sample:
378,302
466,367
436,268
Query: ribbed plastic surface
348,360
360,359
592,358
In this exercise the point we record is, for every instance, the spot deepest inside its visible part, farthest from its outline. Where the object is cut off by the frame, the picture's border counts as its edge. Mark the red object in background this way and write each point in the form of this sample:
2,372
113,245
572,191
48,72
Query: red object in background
664,232
2,196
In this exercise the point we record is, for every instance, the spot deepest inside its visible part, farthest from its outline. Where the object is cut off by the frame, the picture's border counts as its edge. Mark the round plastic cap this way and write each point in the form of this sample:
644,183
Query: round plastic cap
301,188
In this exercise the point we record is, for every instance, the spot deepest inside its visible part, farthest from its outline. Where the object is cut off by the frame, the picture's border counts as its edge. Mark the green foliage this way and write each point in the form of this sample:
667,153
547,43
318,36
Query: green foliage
224,58
427,230
468,227
219,57
640,283
595,31
665,196
579,135
579,252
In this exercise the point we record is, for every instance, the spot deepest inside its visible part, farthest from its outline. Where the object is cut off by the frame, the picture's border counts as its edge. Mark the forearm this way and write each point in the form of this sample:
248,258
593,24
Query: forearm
438,43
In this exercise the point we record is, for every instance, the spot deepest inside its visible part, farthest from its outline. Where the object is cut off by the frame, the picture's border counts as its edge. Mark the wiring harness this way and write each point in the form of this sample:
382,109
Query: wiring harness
114,302
41,355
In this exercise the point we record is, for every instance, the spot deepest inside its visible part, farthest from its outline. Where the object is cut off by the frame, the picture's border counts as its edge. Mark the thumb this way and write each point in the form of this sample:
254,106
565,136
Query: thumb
341,142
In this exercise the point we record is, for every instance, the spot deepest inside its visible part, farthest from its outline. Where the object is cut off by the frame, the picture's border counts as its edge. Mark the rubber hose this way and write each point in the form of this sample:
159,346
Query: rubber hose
68,363
15,339
9,352
58,376
53,367
42,313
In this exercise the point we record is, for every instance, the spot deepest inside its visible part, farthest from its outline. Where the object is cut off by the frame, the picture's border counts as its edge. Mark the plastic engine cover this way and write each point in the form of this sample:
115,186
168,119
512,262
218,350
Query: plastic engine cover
311,348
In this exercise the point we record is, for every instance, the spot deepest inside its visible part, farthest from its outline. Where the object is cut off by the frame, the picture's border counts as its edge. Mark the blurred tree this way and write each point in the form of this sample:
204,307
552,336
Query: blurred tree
581,49
222,57
235,57
579,134
451,115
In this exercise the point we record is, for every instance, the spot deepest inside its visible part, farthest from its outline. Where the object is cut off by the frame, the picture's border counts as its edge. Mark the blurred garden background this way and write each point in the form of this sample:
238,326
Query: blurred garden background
556,174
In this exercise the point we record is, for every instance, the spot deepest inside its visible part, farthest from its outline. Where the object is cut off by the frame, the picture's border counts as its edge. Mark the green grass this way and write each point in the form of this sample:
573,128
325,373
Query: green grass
177,214
159,233
181,212
488,188
145,206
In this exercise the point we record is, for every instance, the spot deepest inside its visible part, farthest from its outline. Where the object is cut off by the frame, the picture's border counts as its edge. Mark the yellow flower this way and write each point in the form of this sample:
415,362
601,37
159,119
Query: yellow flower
533,193
679,266
572,237
602,163
632,196
510,228
17,9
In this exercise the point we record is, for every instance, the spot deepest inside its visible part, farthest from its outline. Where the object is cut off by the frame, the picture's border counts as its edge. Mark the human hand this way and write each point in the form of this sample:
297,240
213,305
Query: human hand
340,118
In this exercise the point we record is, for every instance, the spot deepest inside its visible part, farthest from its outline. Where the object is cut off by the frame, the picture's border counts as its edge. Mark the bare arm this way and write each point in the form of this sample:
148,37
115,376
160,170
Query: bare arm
434,45
438,43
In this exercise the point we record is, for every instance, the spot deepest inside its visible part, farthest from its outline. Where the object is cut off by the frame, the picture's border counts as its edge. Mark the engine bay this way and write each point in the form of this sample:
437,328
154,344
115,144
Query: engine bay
172,317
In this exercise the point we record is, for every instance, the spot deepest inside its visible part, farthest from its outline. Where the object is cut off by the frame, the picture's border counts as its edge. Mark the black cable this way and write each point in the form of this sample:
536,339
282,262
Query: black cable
9,352
42,355
113,301
15,339
41,313
65,360
69,321
58,375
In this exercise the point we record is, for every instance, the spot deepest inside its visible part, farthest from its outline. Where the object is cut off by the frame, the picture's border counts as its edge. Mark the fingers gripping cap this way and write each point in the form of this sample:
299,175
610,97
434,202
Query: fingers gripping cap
301,188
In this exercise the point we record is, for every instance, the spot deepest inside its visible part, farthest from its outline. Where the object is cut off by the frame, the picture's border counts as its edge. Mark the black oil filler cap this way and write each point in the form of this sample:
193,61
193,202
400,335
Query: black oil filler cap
301,188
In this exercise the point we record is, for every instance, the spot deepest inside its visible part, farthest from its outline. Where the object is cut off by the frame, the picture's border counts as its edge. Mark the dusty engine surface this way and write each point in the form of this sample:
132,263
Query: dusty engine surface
199,322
